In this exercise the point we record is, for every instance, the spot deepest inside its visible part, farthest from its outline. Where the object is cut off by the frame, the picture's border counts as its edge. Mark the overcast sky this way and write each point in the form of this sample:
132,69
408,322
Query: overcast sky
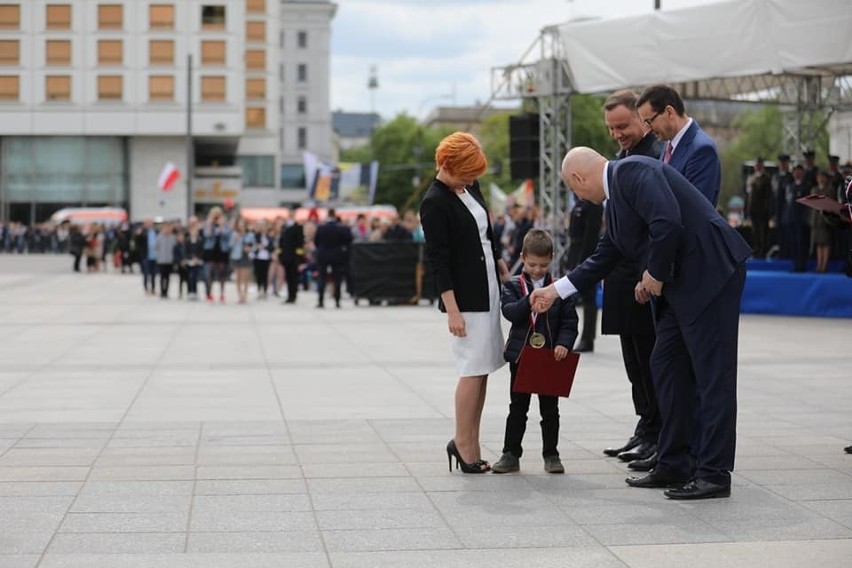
440,52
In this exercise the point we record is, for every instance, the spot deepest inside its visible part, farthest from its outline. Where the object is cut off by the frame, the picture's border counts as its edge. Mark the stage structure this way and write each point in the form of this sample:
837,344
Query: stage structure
794,54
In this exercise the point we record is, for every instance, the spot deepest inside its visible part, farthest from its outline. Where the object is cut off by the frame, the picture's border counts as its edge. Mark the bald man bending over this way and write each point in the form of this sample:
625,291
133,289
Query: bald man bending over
694,268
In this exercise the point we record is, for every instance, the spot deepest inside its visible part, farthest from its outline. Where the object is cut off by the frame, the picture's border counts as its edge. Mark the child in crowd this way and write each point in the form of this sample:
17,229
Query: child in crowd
556,329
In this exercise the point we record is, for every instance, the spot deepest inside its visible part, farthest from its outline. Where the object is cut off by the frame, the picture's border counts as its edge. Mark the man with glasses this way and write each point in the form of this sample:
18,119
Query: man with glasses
688,148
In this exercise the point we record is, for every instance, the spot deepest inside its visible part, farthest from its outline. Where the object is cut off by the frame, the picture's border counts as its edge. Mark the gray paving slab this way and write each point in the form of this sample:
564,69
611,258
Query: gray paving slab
137,433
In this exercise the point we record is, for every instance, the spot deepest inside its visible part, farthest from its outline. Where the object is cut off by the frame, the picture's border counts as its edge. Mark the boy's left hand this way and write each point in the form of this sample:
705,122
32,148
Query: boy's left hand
560,353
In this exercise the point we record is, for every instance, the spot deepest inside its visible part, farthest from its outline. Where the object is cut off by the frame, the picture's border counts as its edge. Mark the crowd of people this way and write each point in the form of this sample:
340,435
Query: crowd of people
674,270
199,258
780,223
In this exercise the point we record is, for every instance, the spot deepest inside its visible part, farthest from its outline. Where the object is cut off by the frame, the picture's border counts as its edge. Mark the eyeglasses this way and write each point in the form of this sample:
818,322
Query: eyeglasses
648,121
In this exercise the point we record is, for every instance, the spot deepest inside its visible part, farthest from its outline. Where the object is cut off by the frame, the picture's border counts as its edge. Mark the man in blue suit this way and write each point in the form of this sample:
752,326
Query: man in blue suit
688,149
694,264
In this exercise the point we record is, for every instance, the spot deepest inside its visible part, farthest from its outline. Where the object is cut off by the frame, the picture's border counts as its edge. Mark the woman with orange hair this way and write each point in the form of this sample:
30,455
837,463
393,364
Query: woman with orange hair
463,253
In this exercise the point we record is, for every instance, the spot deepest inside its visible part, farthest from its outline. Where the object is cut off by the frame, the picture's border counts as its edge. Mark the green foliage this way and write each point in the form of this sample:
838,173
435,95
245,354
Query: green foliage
761,133
493,133
588,127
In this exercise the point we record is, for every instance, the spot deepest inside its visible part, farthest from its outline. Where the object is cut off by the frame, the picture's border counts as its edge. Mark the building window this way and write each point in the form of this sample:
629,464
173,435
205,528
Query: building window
161,17
256,6
212,52
303,39
110,52
110,16
161,88
281,72
281,105
292,175
302,105
212,17
281,40
258,171
302,73
212,88
10,52
255,59
10,17
255,88
256,31
57,87
256,117
109,87
58,52
161,51
9,87
302,142
58,16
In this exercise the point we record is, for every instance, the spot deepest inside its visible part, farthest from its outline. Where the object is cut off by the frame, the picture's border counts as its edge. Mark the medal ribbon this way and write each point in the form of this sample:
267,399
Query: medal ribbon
533,315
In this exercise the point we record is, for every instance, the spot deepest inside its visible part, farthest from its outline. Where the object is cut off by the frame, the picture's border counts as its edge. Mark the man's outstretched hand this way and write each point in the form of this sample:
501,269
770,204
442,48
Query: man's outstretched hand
542,298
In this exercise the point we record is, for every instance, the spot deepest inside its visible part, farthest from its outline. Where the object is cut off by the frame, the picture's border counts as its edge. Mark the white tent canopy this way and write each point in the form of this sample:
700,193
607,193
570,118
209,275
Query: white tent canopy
716,42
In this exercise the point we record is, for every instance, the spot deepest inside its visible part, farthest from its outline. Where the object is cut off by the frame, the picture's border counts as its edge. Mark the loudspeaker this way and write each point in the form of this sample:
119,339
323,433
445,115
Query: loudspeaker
523,146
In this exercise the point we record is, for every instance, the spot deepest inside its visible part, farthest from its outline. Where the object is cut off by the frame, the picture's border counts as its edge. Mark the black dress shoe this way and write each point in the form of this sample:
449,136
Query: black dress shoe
644,465
631,443
699,489
655,481
585,346
641,452
848,449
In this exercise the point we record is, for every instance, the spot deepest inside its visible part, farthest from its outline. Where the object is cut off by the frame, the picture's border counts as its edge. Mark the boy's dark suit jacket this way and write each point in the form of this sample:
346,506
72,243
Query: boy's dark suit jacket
559,326
453,246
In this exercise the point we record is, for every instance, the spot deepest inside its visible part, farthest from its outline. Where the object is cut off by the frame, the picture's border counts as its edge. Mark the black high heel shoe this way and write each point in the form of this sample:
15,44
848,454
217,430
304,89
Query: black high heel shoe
479,466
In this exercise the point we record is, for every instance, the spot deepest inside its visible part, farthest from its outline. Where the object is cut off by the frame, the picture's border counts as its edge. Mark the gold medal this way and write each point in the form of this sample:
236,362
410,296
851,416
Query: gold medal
537,340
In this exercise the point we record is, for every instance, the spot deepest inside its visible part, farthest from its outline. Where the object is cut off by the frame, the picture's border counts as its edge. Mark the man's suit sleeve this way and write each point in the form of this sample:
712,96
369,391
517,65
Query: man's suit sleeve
595,268
704,172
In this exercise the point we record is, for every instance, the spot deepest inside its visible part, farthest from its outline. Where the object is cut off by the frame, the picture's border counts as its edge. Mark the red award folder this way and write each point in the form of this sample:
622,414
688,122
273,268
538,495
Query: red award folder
821,203
539,373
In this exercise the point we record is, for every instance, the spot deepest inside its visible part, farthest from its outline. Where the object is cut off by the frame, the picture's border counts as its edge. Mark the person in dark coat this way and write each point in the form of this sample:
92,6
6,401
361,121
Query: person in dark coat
291,243
332,241
583,231
622,314
795,219
694,267
780,181
759,207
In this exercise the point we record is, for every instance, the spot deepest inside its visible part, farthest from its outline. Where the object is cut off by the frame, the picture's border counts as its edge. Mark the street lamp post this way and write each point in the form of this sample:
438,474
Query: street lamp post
190,151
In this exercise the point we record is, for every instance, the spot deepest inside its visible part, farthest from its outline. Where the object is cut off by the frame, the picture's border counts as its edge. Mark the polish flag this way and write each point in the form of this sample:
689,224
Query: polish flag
168,177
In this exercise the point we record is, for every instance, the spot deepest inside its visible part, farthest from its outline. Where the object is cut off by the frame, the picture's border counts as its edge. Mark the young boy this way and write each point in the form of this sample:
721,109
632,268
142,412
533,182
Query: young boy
555,329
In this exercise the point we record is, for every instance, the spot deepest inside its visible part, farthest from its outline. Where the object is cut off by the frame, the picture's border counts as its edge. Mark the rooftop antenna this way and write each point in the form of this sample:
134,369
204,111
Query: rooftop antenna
373,84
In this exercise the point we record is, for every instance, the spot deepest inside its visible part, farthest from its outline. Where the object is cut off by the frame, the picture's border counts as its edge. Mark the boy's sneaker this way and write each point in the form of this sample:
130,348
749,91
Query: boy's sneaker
506,464
552,464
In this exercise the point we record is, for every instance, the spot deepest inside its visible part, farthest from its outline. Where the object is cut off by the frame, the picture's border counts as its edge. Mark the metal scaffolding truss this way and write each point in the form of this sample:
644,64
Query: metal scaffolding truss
545,82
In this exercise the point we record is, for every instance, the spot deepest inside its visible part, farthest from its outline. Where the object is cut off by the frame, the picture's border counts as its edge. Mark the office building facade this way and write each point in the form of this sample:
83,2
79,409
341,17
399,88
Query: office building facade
97,96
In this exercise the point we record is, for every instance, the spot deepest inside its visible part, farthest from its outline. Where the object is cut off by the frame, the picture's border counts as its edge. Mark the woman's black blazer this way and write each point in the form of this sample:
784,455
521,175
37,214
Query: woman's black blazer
453,247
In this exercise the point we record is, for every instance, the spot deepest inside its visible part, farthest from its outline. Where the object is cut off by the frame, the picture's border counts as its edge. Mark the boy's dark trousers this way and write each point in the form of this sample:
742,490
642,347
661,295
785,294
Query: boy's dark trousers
516,423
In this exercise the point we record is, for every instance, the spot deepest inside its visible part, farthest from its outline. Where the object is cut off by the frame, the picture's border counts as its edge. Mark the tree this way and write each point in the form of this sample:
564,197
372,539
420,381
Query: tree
588,127
761,133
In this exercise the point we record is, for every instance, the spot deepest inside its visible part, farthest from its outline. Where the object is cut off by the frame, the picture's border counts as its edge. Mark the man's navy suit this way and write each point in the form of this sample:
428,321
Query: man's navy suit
657,218
697,159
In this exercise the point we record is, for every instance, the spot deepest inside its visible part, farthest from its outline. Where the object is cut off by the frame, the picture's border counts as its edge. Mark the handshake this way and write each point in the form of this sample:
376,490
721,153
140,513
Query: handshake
542,299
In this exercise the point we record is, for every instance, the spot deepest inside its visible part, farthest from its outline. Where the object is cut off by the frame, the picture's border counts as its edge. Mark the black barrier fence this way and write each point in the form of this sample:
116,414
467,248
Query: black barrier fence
396,272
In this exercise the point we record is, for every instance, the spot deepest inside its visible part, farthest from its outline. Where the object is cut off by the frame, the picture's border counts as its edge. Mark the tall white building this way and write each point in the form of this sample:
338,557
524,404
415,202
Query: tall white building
305,106
94,102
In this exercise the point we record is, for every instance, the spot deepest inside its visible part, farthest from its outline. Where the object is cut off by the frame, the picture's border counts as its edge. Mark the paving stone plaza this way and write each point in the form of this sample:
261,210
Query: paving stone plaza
142,433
